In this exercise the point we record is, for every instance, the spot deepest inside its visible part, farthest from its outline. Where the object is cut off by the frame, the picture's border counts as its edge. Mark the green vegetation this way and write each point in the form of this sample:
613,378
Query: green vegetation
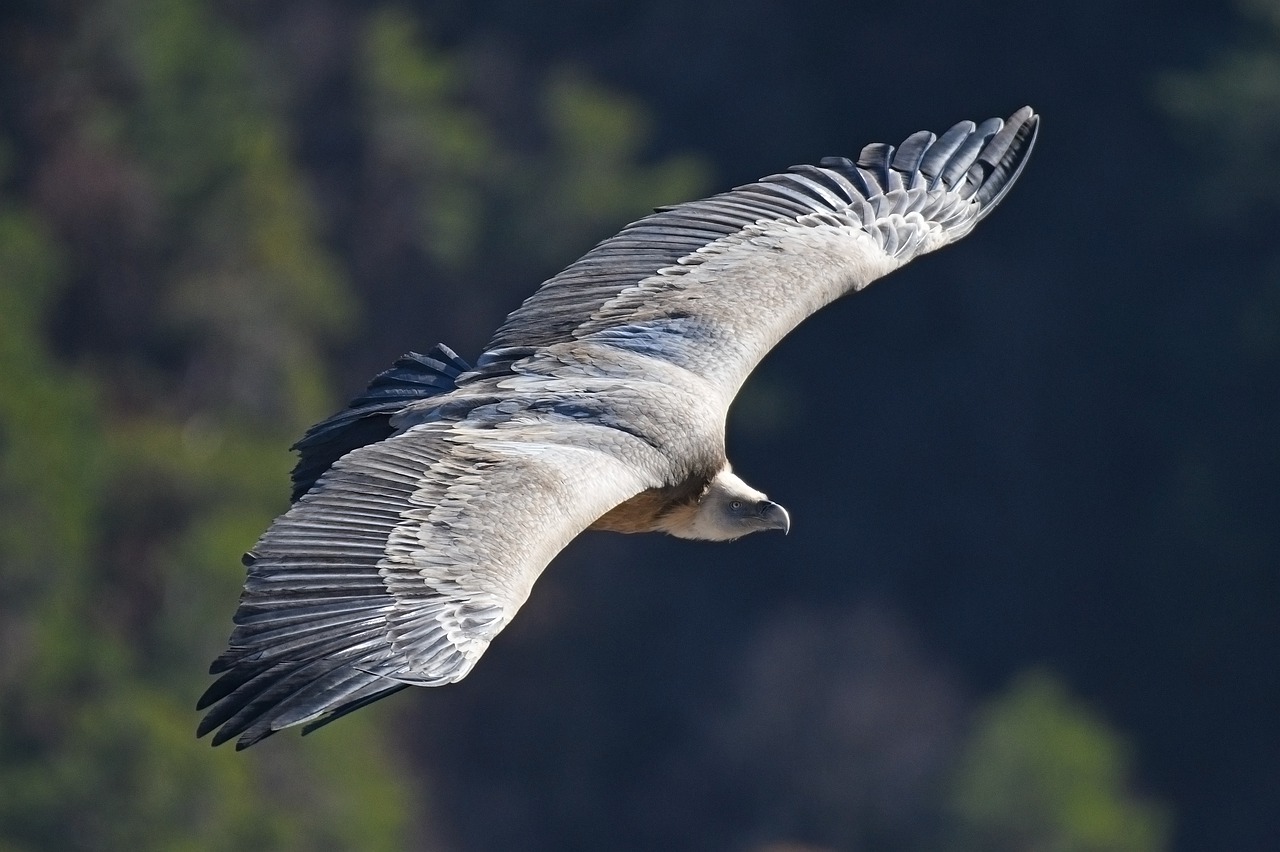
476,198
1040,772
1232,107
167,299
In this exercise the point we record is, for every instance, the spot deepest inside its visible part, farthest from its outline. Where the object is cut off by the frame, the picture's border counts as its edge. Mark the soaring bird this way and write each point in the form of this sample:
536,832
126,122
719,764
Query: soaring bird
423,512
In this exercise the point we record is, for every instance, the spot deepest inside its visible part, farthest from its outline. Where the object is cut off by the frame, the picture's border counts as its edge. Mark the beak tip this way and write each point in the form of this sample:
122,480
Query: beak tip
780,518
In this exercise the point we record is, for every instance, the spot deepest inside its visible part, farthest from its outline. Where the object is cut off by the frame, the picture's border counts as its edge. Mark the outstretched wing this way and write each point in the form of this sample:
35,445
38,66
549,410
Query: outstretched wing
713,285
402,563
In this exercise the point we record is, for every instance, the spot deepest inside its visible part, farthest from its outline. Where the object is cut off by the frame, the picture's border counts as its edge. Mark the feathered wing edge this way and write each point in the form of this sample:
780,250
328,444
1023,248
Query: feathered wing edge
367,418
952,182
312,626
401,565
716,311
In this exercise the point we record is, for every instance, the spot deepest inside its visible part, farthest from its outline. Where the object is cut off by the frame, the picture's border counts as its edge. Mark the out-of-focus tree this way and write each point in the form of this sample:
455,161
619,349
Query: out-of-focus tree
233,290
1231,108
170,294
165,245
50,481
1040,773
481,177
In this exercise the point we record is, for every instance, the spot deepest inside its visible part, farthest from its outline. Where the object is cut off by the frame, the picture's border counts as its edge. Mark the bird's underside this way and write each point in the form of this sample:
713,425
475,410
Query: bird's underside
646,511
424,511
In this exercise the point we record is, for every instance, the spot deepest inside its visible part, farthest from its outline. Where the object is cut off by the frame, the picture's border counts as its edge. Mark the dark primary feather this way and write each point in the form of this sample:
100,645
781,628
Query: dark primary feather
984,159
344,600
366,419
911,152
312,625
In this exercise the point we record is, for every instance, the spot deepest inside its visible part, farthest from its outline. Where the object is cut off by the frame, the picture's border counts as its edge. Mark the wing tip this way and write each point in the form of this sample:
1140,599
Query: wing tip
252,705
1004,156
978,160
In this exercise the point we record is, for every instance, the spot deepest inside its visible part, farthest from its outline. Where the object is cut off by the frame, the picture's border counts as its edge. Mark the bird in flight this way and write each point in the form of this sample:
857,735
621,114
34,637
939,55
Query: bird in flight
423,512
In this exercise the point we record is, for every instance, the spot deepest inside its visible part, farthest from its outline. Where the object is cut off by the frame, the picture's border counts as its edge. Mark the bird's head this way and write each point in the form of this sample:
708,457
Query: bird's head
729,509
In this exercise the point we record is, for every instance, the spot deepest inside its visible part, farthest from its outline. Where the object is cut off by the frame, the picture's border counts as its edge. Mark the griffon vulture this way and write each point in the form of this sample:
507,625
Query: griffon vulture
423,513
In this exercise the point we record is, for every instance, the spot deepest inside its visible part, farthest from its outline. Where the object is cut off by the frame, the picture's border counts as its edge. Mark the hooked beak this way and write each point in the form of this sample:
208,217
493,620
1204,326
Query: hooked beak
775,517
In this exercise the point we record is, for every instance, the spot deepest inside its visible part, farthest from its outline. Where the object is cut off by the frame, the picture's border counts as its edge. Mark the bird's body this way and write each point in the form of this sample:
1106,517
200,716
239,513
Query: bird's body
425,511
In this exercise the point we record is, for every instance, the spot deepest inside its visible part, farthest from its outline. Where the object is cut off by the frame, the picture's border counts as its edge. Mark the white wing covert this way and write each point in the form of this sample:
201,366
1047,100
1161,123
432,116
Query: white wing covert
403,562
713,285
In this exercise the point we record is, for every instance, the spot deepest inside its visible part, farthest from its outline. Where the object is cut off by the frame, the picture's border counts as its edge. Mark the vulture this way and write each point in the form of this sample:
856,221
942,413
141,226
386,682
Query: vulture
424,511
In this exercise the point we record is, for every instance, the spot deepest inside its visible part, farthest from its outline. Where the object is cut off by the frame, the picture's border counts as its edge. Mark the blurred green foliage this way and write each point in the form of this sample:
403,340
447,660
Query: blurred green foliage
131,484
425,133
478,198
166,238
1041,772
1231,108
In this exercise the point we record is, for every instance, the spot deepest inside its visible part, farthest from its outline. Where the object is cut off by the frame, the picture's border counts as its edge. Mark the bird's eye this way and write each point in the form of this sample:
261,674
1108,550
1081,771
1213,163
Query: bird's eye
736,504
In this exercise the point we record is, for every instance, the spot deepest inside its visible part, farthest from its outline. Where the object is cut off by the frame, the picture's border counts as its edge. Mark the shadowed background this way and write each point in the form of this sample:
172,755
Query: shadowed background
1029,597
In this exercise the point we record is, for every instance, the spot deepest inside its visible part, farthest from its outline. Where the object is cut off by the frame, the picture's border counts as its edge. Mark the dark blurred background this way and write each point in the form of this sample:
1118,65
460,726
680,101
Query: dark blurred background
1029,600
